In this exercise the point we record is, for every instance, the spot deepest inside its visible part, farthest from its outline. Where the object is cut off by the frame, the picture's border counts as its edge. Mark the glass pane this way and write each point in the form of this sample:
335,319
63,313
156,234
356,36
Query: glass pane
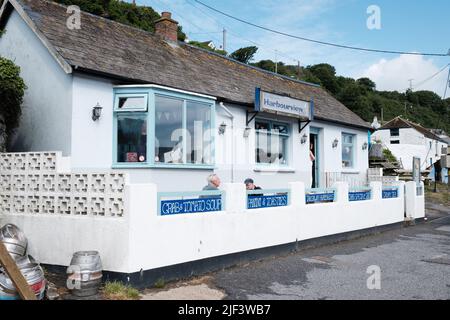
262,126
132,103
262,148
278,150
280,128
347,156
198,133
169,130
348,139
131,138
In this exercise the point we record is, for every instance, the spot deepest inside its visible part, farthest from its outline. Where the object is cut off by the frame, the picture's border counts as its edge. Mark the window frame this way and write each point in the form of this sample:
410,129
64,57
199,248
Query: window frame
130,95
346,144
287,136
151,94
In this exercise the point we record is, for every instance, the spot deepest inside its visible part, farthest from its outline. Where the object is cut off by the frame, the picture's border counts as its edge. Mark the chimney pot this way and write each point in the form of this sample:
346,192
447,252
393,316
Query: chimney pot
166,27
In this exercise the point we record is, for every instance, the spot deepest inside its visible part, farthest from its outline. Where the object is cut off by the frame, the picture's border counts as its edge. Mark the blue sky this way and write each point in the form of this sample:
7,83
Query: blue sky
412,26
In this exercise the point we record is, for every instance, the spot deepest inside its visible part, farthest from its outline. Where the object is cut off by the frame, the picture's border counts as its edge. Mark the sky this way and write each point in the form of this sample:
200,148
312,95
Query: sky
404,25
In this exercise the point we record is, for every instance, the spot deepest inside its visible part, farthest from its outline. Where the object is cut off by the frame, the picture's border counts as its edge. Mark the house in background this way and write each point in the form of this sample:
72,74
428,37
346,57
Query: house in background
406,140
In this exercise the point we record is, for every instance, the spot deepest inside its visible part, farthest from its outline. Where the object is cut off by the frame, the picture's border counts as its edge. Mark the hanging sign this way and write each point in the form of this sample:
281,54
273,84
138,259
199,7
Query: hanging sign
283,105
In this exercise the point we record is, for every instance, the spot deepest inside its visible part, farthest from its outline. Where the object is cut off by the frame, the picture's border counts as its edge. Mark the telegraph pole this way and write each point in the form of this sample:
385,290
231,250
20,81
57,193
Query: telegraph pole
276,61
224,43
411,84
299,70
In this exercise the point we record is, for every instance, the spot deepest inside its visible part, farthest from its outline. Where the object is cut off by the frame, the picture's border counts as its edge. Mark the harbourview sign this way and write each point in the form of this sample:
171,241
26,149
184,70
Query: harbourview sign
283,105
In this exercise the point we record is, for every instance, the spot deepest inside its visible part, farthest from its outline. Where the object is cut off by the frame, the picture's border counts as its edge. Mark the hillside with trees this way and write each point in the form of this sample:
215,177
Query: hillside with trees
360,95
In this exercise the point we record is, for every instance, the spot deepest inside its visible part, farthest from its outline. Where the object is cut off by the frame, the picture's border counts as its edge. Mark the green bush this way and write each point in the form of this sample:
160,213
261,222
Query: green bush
12,89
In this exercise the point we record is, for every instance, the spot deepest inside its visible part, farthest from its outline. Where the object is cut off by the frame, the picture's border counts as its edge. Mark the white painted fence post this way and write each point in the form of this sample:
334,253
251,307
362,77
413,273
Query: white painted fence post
235,197
342,192
377,190
414,204
297,194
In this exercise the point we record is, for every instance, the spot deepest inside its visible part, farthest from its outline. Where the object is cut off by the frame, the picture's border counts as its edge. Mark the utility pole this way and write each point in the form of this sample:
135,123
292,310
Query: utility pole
224,43
447,85
299,70
382,116
276,61
411,84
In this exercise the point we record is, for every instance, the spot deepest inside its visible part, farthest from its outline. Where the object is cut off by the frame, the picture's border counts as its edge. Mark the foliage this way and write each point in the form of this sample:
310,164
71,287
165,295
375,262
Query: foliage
389,156
118,291
142,17
204,46
160,283
244,55
12,89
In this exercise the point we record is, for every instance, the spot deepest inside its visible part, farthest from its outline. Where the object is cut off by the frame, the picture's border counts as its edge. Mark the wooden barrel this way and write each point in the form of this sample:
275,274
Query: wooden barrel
85,273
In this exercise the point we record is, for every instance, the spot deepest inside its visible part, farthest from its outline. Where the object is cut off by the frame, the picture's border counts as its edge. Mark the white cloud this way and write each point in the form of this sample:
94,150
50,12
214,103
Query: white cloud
395,74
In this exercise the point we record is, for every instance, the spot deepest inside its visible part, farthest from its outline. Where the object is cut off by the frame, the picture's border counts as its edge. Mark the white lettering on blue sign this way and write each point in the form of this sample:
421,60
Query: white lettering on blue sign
171,207
269,102
257,202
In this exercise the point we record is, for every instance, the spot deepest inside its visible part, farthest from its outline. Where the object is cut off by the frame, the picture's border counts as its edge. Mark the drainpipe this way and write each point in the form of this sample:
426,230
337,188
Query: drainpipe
231,116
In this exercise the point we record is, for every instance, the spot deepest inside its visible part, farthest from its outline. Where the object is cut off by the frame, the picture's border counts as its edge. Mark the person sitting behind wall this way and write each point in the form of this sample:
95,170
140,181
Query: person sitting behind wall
250,185
213,184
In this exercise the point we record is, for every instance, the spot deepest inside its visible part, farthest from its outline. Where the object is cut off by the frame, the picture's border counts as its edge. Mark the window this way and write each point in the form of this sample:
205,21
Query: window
271,142
131,102
348,149
395,142
132,138
178,125
395,132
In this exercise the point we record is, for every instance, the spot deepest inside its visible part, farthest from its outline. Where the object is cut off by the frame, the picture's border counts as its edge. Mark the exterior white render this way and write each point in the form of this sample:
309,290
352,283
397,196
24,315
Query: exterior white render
57,116
410,143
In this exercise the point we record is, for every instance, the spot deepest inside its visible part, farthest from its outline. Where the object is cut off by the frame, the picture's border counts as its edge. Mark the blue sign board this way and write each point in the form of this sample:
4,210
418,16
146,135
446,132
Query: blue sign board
390,193
278,104
319,197
260,201
359,196
171,207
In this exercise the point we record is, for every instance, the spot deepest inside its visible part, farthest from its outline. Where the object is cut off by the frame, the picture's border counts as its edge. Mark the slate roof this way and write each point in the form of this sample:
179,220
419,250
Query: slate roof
400,123
123,52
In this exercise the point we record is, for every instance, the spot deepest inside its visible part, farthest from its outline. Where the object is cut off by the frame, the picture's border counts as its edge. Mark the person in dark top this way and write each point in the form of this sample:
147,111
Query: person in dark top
250,185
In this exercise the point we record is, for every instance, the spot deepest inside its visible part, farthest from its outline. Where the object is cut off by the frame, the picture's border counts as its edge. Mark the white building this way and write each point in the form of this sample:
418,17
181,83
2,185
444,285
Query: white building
139,121
407,140
153,91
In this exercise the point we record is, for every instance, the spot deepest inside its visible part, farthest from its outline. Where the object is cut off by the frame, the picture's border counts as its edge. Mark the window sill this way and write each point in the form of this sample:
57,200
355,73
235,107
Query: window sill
351,171
274,169
163,166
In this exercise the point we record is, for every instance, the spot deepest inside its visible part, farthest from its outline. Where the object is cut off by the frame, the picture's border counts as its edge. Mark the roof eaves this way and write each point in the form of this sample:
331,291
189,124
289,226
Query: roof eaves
4,14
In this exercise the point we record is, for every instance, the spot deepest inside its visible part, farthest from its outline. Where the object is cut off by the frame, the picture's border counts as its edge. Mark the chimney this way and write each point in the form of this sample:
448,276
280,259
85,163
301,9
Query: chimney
166,27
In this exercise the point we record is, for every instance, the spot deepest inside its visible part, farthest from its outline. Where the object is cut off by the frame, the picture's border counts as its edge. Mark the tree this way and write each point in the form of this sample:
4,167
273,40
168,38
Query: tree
142,17
204,46
327,75
12,89
244,55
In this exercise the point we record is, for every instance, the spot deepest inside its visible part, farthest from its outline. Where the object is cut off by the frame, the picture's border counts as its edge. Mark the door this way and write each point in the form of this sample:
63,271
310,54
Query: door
314,157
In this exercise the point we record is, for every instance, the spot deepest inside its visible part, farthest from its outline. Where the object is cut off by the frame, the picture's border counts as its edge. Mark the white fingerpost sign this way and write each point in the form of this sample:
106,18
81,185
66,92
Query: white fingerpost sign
283,105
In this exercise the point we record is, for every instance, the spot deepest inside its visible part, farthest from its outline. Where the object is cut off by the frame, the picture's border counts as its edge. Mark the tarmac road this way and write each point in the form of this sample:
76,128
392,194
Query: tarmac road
414,263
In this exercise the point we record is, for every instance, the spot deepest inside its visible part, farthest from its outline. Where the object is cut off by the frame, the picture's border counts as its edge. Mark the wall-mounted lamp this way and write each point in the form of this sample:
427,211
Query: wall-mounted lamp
247,132
222,128
304,139
335,143
365,146
96,112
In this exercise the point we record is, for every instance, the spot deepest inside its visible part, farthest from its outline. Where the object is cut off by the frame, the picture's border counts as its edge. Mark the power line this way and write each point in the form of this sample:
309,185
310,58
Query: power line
432,77
317,41
240,37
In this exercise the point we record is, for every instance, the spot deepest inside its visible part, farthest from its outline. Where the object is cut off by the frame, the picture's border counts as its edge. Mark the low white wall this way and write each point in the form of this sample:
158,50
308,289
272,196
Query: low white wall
142,240
414,204
159,241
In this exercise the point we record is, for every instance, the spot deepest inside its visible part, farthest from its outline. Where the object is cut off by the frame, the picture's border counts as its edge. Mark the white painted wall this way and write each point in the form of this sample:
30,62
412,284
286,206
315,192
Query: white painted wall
412,144
144,240
46,120
92,146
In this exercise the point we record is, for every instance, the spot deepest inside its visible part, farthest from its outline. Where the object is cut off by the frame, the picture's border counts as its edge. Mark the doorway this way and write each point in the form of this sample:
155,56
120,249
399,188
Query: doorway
315,157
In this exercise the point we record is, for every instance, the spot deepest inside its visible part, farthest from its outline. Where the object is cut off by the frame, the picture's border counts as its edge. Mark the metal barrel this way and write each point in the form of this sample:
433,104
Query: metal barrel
33,274
85,273
14,240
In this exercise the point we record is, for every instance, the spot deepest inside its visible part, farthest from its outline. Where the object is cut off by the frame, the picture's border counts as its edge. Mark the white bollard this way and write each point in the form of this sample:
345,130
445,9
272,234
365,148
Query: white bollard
297,194
342,192
377,190
235,197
